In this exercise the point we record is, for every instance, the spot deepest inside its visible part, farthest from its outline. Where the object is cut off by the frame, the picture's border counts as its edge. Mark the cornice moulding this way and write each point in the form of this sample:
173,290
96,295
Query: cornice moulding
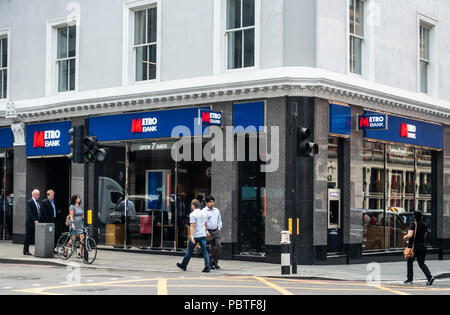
255,84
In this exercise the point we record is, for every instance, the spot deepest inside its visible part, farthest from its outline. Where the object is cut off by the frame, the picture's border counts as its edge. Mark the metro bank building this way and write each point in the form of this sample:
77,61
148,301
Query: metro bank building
383,130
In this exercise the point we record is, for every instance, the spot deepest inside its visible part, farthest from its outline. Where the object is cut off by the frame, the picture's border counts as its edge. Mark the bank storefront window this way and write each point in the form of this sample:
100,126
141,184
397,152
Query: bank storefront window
144,190
396,182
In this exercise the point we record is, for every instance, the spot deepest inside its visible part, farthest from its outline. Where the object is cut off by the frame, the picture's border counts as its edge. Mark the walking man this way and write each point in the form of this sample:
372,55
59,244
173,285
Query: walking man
33,216
214,228
198,220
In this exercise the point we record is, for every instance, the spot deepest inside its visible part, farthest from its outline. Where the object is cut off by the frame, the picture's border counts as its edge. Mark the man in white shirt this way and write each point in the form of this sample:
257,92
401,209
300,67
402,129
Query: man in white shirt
198,220
214,228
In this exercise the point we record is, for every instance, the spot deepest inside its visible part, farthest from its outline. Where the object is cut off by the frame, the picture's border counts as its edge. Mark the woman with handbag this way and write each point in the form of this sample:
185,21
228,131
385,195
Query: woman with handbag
417,248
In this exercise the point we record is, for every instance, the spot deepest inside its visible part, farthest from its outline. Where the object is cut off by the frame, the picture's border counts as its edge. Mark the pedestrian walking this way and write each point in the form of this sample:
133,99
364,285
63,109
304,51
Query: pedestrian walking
416,241
198,220
214,228
33,217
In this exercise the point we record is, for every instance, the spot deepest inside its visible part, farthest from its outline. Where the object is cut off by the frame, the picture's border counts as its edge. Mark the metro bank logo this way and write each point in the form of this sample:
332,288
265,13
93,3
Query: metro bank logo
372,122
47,139
408,131
211,118
144,125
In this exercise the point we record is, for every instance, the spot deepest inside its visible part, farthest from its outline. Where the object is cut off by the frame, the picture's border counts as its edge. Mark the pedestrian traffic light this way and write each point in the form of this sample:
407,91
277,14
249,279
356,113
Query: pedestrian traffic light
94,151
304,147
76,144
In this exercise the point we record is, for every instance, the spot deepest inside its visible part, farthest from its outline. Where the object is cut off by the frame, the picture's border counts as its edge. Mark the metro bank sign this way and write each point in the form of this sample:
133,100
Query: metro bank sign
48,139
210,118
378,121
144,125
409,131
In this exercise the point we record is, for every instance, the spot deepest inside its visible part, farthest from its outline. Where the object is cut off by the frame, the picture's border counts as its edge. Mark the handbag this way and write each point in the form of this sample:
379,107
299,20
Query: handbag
409,252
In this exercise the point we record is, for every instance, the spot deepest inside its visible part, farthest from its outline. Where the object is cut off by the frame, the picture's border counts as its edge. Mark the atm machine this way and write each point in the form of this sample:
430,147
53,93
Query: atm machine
334,221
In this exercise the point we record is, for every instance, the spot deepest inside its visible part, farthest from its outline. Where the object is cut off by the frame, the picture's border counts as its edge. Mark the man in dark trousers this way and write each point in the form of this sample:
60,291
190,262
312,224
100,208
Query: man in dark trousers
33,217
214,228
49,211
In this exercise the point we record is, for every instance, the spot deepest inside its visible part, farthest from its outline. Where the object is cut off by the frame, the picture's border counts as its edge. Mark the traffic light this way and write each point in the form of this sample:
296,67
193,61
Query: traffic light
304,147
93,151
76,144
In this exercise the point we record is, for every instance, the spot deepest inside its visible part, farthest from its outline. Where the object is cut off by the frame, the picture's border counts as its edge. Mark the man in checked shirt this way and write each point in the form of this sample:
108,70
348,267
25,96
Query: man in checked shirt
214,228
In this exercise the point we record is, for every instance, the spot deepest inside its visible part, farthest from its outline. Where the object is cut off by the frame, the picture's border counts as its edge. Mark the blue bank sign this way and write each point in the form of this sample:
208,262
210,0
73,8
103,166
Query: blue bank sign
6,138
48,139
409,131
147,125
340,119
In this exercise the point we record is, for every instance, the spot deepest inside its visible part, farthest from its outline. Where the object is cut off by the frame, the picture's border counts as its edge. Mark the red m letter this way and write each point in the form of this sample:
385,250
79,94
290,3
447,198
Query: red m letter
136,126
38,140
206,117
364,122
404,130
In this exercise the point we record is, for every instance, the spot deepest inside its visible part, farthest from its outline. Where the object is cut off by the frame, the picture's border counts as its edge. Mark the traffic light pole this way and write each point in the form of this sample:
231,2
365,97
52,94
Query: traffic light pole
88,202
294,214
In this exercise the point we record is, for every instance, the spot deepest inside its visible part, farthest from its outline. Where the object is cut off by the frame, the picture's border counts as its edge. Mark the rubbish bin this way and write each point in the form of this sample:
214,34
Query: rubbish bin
44,240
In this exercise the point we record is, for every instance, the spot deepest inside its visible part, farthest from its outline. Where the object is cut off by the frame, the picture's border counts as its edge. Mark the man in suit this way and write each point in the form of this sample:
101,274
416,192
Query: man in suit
33,217
50,213
49,208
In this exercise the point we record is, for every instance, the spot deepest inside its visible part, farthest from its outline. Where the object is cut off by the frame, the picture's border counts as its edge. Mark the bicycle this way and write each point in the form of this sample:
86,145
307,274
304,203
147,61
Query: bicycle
64,251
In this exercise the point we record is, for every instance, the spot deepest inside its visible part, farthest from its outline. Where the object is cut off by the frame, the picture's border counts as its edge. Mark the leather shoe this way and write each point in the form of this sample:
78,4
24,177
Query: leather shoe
181,267
27,254
216,266
407,282
431,281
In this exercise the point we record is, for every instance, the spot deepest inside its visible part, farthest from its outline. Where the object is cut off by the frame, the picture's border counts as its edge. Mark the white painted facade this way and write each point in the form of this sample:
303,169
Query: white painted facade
301,48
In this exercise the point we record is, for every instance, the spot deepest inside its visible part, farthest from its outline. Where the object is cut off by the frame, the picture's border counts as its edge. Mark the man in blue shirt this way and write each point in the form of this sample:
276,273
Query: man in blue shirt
214,228
198,220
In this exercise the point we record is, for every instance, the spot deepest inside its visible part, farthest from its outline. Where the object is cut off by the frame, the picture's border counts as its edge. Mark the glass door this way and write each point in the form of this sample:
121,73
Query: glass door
193,182
110,186
151,193
252,204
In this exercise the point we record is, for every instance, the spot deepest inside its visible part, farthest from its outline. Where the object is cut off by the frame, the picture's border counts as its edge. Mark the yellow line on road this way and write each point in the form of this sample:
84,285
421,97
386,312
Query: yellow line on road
390,290
274,286
162,287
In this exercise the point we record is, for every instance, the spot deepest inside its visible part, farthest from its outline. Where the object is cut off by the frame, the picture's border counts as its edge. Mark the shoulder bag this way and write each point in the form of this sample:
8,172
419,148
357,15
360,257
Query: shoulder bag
409,252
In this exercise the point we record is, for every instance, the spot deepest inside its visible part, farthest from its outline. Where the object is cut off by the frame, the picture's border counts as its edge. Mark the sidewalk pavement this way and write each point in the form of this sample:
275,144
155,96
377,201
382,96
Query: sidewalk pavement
117,260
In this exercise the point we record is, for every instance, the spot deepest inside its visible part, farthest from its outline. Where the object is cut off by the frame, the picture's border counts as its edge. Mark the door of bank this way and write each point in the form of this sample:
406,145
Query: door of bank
144,195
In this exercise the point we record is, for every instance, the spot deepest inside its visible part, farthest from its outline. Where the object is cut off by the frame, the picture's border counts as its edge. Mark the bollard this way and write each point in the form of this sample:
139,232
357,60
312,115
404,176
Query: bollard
285,253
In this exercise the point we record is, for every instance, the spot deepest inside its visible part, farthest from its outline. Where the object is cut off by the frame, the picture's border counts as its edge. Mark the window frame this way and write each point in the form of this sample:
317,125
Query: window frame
352,36
6,33
68,59
432,62
221,39
130,7
52,66
241,29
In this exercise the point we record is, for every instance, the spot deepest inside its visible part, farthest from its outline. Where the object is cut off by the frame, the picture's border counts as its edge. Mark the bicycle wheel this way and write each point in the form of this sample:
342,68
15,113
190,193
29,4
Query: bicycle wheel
63,250
89,251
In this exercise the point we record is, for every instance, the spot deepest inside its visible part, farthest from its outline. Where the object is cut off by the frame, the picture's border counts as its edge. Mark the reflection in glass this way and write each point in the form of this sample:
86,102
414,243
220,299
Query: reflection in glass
233,14
235,50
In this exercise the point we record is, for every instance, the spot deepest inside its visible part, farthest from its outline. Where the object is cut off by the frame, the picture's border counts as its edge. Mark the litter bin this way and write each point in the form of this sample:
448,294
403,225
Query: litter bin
44,240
